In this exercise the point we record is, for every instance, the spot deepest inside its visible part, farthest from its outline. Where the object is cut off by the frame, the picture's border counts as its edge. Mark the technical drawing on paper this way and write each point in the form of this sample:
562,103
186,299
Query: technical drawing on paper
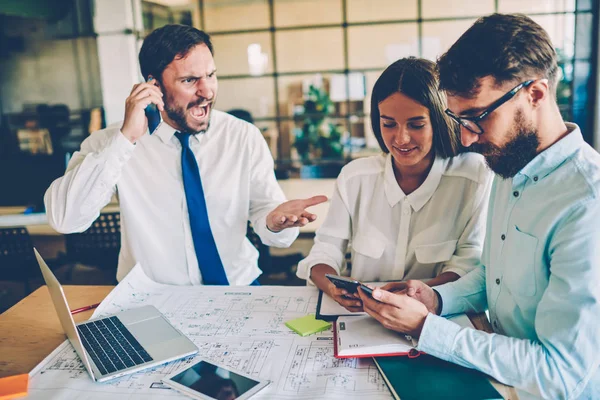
242,328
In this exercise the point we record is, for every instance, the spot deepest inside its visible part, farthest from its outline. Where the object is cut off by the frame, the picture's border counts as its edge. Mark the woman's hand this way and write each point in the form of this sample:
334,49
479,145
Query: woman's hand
350,301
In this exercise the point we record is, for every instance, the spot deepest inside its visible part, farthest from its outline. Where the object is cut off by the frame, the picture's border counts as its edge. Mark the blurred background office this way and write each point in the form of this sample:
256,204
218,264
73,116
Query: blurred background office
301,70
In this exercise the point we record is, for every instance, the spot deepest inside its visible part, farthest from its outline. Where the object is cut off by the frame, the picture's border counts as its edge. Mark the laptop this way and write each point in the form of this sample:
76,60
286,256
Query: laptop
119,344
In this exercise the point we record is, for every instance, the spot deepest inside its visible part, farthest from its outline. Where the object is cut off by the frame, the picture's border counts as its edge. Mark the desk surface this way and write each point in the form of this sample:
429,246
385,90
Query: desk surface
30,330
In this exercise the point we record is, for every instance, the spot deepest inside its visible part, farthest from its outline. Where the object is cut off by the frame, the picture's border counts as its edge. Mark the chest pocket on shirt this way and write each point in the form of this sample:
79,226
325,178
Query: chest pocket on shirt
435,253
370,243
519,268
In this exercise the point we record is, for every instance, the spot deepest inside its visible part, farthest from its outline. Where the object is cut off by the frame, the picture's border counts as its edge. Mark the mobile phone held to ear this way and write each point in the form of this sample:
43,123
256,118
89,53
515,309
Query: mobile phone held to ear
349,284
153,114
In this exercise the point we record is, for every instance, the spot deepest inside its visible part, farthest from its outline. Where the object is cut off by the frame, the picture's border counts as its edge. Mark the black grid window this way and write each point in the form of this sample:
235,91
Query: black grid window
299,39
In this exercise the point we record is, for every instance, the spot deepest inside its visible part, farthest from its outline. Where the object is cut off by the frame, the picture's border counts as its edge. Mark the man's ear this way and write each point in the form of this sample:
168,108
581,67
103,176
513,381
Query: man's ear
538,92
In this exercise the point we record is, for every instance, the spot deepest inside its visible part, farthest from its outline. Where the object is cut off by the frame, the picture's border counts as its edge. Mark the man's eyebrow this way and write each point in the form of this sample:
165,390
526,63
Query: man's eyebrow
197,77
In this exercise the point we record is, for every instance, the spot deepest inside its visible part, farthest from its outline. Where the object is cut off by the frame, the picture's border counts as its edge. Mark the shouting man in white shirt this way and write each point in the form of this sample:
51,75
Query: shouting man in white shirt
187,189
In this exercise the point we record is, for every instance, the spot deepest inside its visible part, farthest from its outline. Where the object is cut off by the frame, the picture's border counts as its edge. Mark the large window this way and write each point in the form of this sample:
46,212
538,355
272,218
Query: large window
270,52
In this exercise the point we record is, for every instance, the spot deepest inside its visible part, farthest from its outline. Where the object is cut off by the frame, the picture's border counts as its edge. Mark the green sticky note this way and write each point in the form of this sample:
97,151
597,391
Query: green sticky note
307,325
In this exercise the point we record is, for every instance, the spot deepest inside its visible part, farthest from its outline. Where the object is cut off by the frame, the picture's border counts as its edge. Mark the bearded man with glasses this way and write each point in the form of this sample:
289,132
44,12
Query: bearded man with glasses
539,275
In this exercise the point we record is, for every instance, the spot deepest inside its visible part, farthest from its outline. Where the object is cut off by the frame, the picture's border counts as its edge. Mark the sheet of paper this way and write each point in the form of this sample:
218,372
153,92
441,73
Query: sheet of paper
241,327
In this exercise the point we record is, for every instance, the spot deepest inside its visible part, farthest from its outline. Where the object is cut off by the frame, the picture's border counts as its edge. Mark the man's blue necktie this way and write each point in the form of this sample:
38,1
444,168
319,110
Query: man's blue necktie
209,260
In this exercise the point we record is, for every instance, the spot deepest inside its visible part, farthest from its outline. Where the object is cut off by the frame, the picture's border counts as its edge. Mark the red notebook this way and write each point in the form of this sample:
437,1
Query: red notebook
363,336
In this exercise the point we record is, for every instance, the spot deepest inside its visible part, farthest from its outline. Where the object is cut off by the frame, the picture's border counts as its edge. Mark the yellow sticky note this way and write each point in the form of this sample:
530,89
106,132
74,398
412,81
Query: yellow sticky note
15,386
307,325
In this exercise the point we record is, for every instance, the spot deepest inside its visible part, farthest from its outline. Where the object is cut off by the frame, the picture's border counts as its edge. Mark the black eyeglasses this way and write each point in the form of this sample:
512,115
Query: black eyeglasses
472,123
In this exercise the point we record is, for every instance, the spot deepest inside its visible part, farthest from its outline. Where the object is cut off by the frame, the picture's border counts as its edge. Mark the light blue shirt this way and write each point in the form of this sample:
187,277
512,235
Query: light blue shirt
539,278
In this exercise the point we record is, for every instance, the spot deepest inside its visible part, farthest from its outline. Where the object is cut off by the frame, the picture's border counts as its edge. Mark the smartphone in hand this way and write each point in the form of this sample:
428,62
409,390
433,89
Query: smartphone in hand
367,290
342,282
153,114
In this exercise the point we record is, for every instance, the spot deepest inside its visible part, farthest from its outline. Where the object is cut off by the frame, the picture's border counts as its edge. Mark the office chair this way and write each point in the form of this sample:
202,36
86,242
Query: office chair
270,264
93,255
17,260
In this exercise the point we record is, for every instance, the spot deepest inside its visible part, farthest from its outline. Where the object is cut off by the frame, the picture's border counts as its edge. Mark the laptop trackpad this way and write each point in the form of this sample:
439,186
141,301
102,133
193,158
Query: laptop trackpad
153,331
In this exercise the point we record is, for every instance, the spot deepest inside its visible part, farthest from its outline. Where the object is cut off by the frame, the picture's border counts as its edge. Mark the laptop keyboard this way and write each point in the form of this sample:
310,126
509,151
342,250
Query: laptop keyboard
111,345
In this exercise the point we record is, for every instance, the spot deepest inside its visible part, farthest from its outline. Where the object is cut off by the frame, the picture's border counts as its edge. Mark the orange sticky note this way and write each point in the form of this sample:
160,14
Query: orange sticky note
15,386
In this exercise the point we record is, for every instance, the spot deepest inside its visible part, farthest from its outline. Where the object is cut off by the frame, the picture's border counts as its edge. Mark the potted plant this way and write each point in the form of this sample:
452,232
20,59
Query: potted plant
317,138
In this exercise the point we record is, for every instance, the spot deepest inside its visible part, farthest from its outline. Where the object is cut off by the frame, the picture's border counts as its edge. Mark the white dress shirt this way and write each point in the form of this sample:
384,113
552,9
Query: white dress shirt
239,184
438,228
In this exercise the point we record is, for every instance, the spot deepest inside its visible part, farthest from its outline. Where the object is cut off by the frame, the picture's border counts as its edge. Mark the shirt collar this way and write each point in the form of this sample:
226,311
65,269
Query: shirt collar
419,197
551,158
165,132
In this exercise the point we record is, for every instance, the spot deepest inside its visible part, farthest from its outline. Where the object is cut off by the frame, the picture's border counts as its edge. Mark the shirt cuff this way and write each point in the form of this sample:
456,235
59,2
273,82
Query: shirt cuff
121,147
450,303
438,336
282,238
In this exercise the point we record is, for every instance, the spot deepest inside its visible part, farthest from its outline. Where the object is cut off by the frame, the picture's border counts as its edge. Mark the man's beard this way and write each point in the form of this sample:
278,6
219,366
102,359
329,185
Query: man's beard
508,160
177,115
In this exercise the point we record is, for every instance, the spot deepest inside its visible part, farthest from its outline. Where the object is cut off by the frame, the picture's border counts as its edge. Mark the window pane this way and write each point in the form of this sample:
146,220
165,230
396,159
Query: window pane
561,29
456,8
584,41
371,141
310,50
235,15
381,10
293,89
269,132
439,36
371,78
380,45
256,95
307,12
535,6
242,54
155,15
334,133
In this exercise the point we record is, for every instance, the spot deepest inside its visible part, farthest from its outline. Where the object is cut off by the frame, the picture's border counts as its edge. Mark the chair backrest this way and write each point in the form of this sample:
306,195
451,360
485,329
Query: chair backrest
16,253
99,245
264,254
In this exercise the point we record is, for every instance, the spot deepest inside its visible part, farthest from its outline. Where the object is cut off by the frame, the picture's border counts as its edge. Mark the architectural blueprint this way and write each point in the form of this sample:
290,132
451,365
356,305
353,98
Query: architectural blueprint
241,327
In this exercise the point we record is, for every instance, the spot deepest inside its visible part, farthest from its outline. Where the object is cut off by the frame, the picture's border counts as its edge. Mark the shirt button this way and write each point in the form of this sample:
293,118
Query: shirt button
516,194
535,178
503,236
497,281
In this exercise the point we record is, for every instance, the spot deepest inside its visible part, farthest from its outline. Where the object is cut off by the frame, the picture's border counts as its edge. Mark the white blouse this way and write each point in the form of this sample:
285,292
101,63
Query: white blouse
440,227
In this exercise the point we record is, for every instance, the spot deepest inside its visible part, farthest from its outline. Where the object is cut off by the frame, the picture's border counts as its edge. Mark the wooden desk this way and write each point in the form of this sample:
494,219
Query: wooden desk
30,330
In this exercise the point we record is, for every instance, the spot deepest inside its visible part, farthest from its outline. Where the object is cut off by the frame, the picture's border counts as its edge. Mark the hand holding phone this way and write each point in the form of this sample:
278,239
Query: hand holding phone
345,292
342,282
136,120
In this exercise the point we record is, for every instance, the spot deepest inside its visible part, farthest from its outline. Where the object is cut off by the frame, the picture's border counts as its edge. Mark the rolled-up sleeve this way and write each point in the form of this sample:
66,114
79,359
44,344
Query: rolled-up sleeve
563,358
265,193
75,200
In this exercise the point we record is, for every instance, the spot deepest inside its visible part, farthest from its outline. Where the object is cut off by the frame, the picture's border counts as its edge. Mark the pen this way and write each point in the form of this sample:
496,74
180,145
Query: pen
82,309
